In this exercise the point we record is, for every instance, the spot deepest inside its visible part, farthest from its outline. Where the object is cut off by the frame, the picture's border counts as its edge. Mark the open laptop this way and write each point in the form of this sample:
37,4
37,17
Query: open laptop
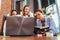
16,26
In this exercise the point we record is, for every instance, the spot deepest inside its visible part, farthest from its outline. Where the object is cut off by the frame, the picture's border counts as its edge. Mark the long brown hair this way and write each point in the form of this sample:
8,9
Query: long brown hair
23,11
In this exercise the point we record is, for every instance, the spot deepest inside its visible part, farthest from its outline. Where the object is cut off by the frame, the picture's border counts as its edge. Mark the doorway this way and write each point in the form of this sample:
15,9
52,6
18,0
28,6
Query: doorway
18,7
44,3
35,5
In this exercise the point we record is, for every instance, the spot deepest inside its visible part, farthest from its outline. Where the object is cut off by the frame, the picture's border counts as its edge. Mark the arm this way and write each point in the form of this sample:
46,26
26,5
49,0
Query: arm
52,27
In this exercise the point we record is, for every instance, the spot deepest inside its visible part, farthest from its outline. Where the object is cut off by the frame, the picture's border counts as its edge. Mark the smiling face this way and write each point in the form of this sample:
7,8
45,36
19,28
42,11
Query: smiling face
27,10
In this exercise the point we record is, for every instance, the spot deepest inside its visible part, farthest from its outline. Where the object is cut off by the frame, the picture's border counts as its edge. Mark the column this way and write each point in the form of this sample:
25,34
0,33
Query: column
39,4
24,2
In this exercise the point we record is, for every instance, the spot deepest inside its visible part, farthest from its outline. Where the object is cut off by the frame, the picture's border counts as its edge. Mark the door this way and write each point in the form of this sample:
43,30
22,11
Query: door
18,7
35,5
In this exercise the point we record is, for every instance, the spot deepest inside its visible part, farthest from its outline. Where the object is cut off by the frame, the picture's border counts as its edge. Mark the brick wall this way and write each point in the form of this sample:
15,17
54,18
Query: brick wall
6,7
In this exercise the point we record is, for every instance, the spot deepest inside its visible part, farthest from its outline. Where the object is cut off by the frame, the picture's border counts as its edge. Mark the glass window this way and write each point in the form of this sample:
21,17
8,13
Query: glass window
52,1
28,2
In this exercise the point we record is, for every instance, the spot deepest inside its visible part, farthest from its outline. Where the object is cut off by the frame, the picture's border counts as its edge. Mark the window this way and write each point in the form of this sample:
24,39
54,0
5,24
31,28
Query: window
28,2
52,1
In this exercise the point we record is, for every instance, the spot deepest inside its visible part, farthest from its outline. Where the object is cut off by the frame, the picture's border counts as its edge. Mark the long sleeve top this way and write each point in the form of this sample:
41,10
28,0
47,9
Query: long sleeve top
50,23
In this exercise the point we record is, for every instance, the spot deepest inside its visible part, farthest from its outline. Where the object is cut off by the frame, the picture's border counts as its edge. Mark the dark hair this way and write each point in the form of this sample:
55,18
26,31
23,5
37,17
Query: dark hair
38,11
12,11
23,11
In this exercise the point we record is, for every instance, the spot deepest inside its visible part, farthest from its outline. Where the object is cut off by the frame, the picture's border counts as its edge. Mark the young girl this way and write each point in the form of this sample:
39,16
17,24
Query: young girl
43,21
26,12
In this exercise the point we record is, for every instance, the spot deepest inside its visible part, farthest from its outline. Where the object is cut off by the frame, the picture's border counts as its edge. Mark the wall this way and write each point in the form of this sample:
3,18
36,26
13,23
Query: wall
6,7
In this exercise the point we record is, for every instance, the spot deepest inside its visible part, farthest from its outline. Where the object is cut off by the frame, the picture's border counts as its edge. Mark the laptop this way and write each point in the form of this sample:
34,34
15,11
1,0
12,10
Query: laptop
16,26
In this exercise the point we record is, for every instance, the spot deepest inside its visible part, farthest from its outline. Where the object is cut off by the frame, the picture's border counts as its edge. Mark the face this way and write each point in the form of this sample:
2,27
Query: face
27,10
39,15
14,13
